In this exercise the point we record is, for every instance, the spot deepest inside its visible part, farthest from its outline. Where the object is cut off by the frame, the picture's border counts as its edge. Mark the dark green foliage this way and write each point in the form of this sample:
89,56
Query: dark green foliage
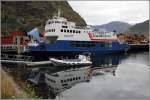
25,15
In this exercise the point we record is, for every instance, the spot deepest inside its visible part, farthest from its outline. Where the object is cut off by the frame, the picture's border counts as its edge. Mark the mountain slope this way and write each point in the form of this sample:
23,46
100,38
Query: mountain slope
25,15
115,25
140,28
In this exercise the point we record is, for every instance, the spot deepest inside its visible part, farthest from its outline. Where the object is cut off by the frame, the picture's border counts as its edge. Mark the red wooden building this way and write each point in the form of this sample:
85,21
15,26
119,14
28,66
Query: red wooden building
10,43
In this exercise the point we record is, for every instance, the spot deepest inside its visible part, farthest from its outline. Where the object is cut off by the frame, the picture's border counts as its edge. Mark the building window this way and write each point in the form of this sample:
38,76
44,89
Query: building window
64,30
64,84
82,44
76,78
58,22
70,79
102,44
64,26
16,41
67,31
70,31
52,30
73,31
76,31
108,45
61,81
61,30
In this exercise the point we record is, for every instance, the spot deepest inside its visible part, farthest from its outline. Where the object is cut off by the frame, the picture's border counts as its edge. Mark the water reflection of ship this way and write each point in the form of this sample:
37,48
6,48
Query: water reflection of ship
103,70
106,63
107,60
59,79
63,80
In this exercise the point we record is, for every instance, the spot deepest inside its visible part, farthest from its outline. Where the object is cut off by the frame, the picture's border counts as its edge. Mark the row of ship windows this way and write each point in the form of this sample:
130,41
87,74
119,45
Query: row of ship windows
70,31
50,30
73,30
87,45
83,45
53,81
71,79
64,30
51,22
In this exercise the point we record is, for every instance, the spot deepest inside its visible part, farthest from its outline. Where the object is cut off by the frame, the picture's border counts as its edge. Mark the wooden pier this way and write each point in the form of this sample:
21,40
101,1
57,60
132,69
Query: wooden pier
27,63
139,47
21,59
39,63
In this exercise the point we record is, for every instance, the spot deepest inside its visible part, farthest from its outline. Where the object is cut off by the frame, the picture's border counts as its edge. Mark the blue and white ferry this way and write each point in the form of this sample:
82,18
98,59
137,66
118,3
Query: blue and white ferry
63,36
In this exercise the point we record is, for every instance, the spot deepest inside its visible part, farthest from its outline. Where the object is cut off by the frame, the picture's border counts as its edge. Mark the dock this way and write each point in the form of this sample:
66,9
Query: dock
22,59
27,63
39,63
139,47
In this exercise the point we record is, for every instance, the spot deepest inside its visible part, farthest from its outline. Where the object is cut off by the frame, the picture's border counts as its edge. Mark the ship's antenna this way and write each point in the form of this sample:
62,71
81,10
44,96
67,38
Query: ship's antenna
59,12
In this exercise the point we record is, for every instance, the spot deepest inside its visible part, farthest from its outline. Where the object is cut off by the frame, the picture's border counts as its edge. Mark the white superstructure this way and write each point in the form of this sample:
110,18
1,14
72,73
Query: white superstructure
61,29
58,28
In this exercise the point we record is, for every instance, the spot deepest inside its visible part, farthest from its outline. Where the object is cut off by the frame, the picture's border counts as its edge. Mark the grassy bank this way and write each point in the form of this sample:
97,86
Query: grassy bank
10,89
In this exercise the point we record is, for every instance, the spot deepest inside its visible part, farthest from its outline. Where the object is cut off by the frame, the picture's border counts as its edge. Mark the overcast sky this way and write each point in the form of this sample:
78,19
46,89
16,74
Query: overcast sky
101,12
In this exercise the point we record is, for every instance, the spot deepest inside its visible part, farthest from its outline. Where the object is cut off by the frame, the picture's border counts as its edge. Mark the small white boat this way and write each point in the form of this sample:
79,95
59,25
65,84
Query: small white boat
82,60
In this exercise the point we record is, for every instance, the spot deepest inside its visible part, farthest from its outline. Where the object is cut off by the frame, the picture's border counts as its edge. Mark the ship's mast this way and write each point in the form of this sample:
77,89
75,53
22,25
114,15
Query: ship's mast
59,12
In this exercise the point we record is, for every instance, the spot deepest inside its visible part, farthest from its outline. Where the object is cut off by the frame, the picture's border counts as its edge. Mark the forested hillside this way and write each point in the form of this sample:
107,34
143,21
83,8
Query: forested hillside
25,15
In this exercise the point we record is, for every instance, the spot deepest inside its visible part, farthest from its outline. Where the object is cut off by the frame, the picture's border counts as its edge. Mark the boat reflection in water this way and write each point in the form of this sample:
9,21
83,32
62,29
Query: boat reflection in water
103,64
62,80
104,70
59,79
65,78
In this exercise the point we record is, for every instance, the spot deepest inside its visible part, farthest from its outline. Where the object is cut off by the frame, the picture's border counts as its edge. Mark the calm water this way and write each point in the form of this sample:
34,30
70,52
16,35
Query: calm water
111,77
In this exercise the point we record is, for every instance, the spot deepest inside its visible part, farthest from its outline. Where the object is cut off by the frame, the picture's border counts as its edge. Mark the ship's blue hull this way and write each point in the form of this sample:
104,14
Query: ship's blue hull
80,46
